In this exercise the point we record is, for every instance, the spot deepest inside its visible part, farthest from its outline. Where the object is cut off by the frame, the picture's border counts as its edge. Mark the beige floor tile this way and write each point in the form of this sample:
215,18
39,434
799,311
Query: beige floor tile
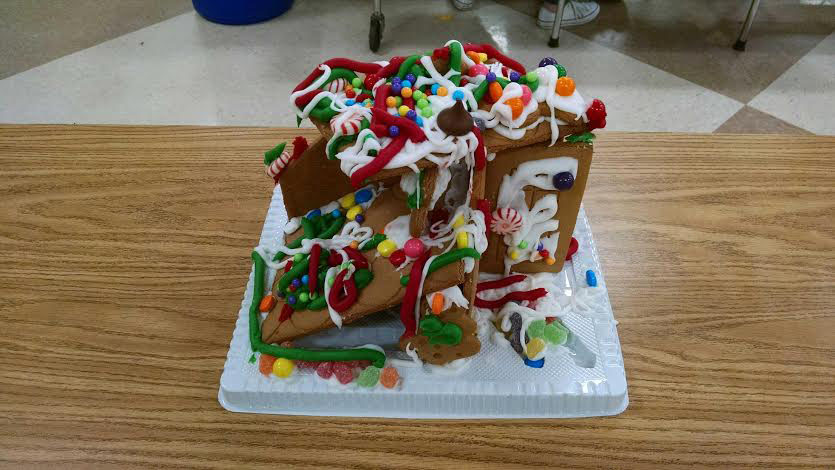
750,121
692,38
33,32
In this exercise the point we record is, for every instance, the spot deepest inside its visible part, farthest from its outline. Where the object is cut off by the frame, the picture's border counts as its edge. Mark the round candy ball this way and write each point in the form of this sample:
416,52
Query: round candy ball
565,86
514,76
402,110
353,212
563,180
298,257
426,111
406,84
435,89
314,213
442,91
362,196
422,103
419,121
395,79
349,102
406,92
418,95
560,71
394,131
356,82
386,248
410,77
336,213
391,102
526,95
413,248
491,77
283,367
477,69
369,81
359,218
296,283
291,299
395,88
458,95
305,279
411,114
547,61
531,77
303,297
397,258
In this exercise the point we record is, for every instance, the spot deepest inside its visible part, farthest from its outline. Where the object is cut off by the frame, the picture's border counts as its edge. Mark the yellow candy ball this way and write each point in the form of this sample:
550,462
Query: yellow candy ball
403,110
386,248
283,367
354,211
534,347
442,91
514,255
549,261
459,221
462,240
482,56
391,102
406,92
347,200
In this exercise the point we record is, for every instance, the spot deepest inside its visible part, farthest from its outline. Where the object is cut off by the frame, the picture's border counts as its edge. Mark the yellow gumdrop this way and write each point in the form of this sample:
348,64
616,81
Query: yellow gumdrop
354,211
283,367
459,221
386,248
534,347
482,56
462,239
514,255
347,200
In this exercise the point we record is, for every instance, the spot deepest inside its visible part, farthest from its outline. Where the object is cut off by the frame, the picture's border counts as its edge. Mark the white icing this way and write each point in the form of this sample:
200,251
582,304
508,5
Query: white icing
398,230
292,225
452,296
441,185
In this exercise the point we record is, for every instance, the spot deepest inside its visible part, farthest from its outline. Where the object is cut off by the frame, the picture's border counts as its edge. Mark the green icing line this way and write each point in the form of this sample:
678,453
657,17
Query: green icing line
297,270
413,201
372,243
480,90
445,259
336,142
455,52
585,137
334,227
339,73
272,154
359,354
407,65
439,332
308,228
502,81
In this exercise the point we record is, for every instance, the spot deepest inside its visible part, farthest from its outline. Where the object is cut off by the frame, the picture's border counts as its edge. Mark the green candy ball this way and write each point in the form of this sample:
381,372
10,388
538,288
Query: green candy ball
422,103
298,257
356,83
418,95
426,112
303,297
532,77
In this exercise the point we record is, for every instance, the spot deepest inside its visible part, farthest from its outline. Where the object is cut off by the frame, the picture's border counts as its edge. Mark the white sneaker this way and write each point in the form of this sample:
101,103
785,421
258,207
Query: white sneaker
575,13
463,4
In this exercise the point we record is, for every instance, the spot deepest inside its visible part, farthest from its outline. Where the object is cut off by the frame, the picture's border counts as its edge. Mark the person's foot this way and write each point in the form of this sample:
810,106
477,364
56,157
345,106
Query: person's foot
463,4
576,12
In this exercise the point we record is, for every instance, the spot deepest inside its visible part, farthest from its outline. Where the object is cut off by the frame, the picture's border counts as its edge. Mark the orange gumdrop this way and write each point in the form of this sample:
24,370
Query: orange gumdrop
437,303
389,377
267,303
495,91
265,364
474,56
516,106
565,86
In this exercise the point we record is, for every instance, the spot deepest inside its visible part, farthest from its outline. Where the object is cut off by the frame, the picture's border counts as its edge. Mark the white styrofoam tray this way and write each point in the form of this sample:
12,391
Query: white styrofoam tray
495,384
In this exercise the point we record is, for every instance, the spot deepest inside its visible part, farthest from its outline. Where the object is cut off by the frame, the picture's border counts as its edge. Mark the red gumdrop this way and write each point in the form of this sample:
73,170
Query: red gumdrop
265,364
397,258
572,248
369,81
343,372
325,370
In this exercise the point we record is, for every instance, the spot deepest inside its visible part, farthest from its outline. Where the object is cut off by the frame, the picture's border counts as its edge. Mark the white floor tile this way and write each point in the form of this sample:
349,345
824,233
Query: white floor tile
188,71
805,94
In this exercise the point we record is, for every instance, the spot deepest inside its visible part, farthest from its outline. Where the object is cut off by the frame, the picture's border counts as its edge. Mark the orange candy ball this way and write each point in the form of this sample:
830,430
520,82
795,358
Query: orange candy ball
473,55
389,377
565,86
495,91
391,102
516,106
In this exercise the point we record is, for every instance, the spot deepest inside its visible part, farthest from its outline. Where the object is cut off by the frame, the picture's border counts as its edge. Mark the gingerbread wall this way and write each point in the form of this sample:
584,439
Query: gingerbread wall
568,201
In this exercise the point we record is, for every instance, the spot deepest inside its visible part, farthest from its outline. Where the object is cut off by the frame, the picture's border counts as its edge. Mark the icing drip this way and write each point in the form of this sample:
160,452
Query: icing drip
452,296
398,230
441,184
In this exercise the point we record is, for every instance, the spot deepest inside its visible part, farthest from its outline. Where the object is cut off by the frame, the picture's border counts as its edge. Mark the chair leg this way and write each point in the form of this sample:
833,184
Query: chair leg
554,41
746,26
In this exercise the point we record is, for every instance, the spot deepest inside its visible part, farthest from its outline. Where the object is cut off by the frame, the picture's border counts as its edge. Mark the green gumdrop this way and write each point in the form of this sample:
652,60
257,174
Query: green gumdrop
556,333
537,329
369,377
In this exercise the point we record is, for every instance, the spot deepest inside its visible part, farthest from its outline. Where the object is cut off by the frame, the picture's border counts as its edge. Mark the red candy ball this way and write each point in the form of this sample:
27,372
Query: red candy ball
350,94
597,115
414,247
369,81
397,258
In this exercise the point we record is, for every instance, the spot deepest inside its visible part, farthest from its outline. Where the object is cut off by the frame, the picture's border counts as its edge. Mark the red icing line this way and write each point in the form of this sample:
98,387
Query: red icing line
362,97
572,248
286,313
312,275
392,67
480,153
493,52
288,266
517,296
504,282
484,206
359,260
407,126
306,98
363,67
407,309
334,258
380,98
380,161
340,305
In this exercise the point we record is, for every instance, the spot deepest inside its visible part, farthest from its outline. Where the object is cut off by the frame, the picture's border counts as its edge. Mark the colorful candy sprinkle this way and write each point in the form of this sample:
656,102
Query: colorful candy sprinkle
442,91
482,56
353,212
425,112
546,61
514,76
563,180
325,370
391,102
435,88
422,103
458,95
283,367
359,218
406,92
402,110
356,82
526,95
495,91
394,131
267,303
531,77
336,213
397,258
462,240
516,106
314,213
344,372
591,278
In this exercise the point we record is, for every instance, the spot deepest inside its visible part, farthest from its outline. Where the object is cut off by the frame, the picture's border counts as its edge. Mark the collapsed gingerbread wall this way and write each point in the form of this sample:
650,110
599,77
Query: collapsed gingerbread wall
568,201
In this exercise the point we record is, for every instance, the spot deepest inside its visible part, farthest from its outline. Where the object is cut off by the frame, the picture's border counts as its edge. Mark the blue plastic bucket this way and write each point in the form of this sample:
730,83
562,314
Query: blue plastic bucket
240,11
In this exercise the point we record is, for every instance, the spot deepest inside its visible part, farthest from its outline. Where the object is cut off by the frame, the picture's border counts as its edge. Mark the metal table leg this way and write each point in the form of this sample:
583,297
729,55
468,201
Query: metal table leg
746,27
378,24
554,41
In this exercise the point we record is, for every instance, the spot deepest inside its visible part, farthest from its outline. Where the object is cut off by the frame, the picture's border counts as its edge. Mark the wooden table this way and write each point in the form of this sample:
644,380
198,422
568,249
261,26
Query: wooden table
124,252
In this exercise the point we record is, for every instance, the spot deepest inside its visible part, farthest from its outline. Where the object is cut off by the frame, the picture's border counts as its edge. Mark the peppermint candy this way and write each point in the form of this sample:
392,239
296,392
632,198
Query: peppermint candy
347,123
278,165
505,221
337,85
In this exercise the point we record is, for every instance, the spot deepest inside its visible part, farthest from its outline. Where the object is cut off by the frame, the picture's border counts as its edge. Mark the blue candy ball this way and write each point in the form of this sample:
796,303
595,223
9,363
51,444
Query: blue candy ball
359,218
563,180
411,114
491,77
514,76
410,77
297,283
547,61
362,196
349,102
314,213
395,88
291,299
419,121
394,131
336,213
435,89
395,79
406,84
458,95
305,278
591,278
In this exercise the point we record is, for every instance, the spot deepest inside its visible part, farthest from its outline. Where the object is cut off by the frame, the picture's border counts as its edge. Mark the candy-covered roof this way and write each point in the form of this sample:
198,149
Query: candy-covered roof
437,108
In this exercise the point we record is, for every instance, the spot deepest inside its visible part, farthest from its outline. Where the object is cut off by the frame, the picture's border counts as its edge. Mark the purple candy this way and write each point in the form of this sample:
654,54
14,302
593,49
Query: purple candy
514,76
359,218
395,88
411,114
410,77
547,61
491,77
394,131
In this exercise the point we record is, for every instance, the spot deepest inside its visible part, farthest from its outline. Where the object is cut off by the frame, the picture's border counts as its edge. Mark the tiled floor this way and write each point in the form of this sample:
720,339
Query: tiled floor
659,65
